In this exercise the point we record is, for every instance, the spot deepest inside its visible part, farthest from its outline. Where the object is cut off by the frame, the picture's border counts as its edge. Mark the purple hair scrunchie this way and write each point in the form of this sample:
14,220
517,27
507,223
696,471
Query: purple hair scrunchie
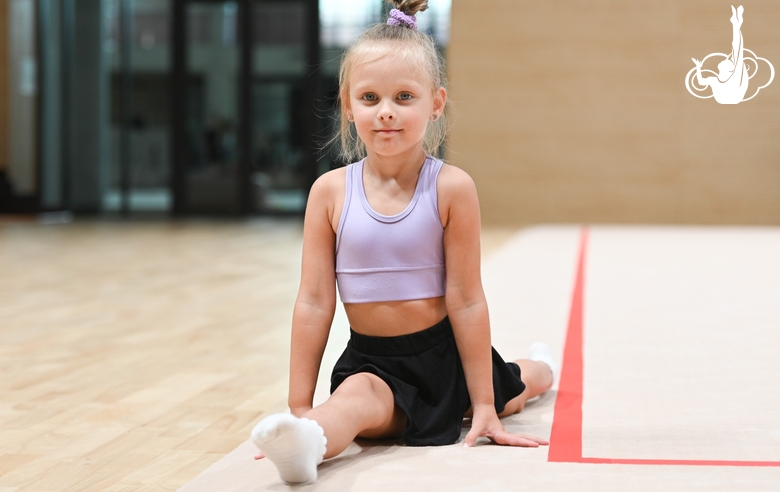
398,18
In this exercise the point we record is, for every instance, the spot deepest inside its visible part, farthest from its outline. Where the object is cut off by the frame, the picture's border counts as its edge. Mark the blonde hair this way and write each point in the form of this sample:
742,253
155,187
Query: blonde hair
387,40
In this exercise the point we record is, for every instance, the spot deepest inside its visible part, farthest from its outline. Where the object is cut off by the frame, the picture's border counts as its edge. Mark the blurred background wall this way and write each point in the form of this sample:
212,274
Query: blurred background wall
566,111
577,111
174,107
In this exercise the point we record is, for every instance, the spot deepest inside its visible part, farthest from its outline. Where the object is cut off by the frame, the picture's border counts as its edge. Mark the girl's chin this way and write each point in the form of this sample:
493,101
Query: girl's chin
403,154
389,149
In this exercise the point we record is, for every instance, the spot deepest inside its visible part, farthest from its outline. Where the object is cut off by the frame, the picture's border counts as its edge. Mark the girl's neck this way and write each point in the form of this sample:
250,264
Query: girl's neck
395,167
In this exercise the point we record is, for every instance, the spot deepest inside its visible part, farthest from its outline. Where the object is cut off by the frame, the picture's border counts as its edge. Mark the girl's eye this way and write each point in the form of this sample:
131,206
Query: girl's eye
370,97
404,96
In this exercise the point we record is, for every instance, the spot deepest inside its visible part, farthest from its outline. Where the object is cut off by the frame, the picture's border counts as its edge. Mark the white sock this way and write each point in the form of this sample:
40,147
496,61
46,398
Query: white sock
295,445
542,353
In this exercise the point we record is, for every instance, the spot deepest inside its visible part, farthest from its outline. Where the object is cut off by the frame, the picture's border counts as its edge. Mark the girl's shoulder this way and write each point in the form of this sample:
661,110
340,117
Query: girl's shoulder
327,194
331,182
453,181
456,191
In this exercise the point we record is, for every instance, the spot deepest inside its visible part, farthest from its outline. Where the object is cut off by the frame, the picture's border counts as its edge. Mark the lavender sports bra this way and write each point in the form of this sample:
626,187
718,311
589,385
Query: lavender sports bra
390,258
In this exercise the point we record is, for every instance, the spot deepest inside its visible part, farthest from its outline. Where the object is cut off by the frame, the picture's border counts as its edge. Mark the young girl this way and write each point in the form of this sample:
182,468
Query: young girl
398,232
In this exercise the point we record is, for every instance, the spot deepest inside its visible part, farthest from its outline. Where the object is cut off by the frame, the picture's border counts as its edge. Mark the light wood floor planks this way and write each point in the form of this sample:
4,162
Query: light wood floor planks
134,355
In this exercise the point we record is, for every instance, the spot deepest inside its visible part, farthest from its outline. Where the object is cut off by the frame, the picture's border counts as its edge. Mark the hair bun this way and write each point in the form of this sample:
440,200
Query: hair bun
410,7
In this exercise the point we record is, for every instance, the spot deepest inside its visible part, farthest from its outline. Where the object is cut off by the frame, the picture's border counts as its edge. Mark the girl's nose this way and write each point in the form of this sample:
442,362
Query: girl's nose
385,113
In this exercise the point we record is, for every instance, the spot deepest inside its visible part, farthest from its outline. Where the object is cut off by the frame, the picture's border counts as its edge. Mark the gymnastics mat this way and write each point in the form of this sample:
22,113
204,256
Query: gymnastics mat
668,338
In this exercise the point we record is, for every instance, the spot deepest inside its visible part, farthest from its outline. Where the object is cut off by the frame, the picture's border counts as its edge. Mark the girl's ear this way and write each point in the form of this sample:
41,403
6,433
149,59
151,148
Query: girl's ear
344,100
346,108
439,100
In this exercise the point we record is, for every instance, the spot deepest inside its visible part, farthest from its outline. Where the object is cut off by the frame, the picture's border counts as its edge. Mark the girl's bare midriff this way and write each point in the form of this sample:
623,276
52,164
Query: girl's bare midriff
390,319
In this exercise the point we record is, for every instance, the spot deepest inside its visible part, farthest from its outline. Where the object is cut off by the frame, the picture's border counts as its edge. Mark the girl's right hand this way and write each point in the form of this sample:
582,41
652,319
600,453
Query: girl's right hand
486,423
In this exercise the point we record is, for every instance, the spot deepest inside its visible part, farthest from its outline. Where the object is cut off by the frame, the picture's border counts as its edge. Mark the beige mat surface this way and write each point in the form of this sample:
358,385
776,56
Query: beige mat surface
680,343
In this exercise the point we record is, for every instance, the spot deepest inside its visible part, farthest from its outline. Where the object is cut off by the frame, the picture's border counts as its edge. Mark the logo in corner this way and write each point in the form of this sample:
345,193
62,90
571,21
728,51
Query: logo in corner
730,84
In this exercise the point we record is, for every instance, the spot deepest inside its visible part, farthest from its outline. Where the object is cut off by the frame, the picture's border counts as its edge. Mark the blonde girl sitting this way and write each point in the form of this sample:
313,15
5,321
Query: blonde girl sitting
398,232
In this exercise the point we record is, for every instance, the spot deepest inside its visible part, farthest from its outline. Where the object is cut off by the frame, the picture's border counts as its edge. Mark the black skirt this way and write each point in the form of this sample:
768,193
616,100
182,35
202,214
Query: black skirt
425,374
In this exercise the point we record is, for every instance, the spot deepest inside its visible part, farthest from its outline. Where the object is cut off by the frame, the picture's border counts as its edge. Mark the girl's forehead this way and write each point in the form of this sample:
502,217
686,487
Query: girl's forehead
387,57
389,66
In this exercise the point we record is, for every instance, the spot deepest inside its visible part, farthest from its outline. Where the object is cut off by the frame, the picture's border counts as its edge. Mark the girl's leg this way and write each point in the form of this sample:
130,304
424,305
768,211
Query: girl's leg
362,405
538,373
538,378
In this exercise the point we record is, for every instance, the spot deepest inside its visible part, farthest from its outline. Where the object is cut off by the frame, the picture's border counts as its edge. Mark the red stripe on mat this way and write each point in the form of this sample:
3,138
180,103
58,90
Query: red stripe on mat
566,435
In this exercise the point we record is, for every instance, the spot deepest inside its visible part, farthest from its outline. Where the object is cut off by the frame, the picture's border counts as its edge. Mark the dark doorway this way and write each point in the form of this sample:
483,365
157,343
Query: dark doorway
243,92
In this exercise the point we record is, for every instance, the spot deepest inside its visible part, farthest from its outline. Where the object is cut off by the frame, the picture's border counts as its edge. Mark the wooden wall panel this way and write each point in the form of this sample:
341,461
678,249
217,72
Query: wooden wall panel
576,111
4,85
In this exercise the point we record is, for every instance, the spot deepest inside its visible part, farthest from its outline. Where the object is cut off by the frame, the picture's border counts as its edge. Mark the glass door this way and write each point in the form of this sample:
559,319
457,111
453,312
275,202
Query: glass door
244,93
206,85
283,150
136,64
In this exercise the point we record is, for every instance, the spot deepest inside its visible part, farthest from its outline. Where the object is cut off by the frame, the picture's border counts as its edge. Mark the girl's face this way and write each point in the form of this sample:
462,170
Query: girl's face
391,102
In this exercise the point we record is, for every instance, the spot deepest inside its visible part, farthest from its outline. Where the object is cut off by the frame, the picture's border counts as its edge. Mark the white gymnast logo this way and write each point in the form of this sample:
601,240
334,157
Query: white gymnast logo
730,84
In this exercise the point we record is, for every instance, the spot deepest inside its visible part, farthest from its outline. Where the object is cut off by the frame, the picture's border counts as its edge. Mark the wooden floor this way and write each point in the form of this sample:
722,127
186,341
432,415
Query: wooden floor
135,355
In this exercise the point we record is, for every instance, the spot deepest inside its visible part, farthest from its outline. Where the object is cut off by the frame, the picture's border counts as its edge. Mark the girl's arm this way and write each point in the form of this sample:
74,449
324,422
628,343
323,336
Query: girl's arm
465,299
466,304
316,301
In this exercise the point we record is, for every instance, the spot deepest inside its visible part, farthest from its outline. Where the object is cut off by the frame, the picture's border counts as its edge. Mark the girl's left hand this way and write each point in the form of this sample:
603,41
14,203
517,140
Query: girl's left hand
486,423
